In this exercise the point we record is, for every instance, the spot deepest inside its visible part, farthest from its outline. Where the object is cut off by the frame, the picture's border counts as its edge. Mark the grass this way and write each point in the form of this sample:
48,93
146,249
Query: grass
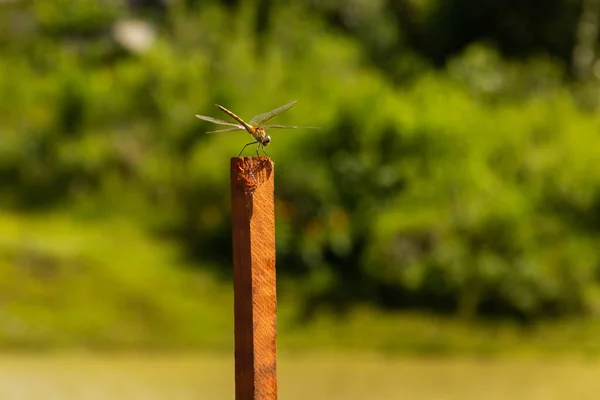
310,376
422,334
102,284
70,284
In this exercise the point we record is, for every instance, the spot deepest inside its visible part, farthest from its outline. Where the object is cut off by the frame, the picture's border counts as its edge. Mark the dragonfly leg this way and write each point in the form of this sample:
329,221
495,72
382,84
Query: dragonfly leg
264,151
239,155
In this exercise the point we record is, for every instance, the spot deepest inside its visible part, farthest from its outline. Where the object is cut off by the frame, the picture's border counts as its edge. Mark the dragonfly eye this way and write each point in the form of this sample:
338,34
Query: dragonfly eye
267,140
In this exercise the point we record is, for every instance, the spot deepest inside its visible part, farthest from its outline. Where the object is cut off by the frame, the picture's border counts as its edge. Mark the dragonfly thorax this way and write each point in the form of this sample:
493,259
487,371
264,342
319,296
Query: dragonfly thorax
261,136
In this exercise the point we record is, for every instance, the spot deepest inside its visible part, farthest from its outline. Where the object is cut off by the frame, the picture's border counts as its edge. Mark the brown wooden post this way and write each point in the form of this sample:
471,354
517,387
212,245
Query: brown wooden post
255,301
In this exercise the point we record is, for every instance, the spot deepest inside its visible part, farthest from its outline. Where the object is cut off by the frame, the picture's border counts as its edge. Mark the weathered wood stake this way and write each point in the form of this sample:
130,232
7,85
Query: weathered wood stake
255,301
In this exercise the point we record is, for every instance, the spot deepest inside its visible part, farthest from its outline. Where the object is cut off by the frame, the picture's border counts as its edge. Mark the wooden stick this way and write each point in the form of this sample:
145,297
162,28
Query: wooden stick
255,301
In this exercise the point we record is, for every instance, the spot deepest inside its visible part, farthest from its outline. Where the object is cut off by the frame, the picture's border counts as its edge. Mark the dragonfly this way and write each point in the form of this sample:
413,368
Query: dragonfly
255,127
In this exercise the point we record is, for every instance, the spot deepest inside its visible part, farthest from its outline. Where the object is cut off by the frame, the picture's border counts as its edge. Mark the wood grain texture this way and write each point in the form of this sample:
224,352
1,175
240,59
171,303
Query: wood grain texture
255,301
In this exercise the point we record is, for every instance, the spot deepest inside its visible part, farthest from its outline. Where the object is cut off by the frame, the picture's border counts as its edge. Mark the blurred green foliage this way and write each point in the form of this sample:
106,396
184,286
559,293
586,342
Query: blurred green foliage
472,189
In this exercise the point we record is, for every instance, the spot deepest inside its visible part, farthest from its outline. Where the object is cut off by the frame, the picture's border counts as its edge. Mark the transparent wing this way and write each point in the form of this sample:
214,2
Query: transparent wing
262,118
227,130
289,127
218,121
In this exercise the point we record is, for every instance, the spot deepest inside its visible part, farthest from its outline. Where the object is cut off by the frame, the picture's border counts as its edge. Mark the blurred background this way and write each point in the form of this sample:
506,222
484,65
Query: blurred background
442,226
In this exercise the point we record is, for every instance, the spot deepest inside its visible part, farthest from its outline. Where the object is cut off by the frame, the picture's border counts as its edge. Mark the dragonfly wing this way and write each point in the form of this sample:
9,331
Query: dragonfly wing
218,121
240,128
289,127
262,118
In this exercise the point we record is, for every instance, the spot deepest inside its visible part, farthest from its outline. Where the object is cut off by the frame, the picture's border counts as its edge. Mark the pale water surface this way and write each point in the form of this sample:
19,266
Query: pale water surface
315,377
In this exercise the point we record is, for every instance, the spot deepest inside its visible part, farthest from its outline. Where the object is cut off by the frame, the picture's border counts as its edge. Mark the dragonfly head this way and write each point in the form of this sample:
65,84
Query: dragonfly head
267,140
